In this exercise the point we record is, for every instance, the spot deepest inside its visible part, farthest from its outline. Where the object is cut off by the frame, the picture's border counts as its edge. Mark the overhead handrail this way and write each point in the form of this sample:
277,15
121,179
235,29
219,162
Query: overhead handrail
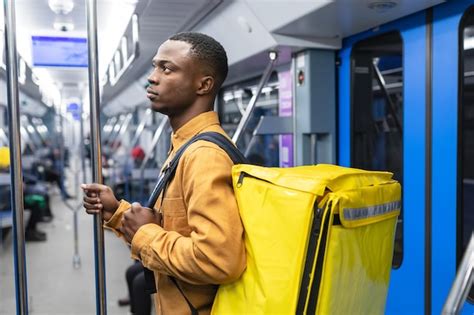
96,160
462,283
391,106
253,101
15,159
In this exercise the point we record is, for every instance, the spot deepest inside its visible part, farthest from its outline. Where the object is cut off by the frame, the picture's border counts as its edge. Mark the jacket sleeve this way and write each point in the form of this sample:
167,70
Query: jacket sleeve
214,252
115,222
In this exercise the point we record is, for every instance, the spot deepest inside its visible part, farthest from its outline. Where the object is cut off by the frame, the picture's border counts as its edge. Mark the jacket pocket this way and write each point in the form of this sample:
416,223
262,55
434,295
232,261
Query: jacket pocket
175,216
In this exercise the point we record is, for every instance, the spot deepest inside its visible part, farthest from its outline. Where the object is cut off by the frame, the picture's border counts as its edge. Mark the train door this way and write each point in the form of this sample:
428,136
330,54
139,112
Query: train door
382,84
452,149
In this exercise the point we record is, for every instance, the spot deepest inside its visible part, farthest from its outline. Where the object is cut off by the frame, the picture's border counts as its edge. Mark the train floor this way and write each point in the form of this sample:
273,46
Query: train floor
55,287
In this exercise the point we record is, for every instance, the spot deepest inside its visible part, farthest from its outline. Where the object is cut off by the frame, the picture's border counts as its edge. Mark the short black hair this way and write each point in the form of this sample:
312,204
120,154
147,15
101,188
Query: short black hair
207,50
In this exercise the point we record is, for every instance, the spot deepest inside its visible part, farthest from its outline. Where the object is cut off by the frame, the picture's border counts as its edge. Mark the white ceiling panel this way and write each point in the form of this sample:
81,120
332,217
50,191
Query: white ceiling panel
343,18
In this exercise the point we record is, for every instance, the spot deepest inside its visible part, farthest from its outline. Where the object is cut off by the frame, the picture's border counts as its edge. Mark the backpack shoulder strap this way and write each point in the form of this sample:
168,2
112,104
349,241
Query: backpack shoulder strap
224,143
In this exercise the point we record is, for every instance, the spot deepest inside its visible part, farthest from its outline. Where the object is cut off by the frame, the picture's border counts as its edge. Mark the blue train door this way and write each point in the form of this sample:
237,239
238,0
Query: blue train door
382,125
453,144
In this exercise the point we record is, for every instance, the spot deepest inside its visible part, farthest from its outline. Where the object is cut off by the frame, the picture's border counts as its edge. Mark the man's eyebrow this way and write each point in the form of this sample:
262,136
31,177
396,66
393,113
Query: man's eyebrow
156,62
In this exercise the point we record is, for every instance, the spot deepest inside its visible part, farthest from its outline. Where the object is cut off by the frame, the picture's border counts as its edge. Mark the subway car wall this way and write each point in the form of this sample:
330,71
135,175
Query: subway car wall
435,125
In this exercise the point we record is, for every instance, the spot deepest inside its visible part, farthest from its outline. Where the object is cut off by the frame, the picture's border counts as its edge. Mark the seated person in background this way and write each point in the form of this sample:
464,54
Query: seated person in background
34,202
50,170
139,300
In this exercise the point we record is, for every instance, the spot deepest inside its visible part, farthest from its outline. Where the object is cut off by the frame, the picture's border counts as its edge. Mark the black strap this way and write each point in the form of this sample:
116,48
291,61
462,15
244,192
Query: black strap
194,310
167,174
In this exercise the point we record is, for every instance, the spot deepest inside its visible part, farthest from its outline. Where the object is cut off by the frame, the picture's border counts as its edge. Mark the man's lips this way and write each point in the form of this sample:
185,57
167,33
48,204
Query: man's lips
151,94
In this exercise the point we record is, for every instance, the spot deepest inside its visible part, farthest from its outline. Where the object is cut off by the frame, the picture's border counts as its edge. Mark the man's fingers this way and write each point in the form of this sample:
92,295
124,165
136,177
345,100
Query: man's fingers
126,217
135,207
92,206
93,187
89,199
92,211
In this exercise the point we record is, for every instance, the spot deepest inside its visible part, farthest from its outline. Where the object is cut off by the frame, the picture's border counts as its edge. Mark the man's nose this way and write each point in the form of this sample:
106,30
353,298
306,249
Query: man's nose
153,78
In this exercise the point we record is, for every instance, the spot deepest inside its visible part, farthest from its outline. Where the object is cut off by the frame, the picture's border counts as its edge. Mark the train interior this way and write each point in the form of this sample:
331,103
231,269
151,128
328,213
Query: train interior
373,84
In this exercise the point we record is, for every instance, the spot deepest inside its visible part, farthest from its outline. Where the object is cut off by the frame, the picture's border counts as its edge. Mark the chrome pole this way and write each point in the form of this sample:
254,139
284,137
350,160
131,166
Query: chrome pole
462,283
293,93
253,101
96,162
15,159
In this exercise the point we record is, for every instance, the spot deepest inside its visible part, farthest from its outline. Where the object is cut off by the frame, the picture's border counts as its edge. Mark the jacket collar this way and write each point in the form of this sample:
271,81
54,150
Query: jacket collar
192,128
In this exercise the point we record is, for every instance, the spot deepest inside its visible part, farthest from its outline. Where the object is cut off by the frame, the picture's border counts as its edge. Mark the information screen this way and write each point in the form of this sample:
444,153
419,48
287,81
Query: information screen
59,51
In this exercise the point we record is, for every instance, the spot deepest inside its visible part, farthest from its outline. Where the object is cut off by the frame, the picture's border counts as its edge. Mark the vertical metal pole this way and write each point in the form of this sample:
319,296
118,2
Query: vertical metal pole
15,159
76,258
96,162
293,95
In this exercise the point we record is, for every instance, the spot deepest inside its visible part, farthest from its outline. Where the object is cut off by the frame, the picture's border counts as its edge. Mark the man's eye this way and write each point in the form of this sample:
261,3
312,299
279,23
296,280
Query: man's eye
165,69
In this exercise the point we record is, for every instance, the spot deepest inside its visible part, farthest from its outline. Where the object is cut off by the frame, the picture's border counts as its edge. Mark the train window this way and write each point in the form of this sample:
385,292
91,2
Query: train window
233,100
377,112
466,137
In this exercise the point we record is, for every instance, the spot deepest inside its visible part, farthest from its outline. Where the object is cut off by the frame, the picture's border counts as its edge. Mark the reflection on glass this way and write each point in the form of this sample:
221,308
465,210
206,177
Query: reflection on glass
466,138
377,112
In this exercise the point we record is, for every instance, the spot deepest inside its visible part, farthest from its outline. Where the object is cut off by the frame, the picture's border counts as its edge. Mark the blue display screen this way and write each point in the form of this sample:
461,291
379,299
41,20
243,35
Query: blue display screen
59,51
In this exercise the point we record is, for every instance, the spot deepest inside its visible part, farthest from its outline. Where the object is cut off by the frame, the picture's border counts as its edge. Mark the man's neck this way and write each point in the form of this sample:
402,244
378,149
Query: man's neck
177,122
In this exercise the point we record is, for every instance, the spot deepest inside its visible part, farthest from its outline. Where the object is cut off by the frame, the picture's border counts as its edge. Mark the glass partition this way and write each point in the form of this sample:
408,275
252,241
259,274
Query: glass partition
377,112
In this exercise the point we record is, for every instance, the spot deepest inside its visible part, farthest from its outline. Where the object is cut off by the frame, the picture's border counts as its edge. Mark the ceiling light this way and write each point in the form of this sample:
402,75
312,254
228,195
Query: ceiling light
382,5
61,6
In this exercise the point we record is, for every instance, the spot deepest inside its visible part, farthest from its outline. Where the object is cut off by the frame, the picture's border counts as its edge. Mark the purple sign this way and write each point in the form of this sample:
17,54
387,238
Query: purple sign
285,100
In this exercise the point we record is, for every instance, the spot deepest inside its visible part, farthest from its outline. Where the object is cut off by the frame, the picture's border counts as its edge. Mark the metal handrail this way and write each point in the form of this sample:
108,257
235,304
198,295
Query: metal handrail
253,101
391,106
462,283
96,160
15,159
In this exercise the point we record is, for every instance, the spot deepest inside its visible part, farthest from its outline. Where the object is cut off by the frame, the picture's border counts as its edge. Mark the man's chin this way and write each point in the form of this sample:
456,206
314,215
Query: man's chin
159,108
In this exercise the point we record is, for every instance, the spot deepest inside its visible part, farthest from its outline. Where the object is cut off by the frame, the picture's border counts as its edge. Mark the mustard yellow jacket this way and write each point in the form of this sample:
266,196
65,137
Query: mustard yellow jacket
200,242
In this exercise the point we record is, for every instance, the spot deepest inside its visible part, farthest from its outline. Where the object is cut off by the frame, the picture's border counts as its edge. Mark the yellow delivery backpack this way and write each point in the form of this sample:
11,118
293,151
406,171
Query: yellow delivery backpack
319,240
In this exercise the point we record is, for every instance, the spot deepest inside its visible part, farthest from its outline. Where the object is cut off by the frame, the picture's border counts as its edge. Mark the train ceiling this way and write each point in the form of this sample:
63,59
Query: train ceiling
247,28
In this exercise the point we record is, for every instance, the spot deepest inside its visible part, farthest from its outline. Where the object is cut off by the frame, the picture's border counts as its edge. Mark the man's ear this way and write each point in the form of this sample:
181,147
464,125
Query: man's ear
206,85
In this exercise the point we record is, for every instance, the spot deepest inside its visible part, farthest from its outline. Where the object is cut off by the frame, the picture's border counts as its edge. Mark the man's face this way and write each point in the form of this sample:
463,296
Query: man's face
174,79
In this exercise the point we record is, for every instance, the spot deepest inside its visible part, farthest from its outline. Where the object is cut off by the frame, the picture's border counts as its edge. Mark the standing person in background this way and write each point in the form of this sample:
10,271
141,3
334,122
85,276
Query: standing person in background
194,236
